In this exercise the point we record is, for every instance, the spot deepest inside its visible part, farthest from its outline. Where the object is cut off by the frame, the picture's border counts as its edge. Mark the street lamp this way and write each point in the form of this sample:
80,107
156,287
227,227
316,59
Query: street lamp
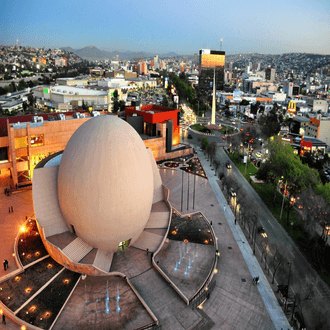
283,198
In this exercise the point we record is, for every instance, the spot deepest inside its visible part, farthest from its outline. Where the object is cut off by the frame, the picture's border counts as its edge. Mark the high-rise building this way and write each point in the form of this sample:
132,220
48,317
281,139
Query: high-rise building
210,62
195,59
270,74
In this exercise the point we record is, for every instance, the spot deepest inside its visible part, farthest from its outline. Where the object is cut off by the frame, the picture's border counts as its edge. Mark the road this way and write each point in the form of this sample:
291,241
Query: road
300,269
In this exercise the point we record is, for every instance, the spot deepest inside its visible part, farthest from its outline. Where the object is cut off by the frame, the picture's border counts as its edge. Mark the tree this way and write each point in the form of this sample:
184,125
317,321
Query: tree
122,105
205,143
24,106
278,258
31,100
115,101
211,150
84,106
165,101
216,165
271,123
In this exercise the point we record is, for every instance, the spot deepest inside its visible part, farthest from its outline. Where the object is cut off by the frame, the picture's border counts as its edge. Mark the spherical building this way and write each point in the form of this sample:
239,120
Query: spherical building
105,183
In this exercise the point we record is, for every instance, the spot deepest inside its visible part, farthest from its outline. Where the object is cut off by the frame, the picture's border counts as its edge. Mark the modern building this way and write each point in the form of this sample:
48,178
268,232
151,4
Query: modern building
156,122
270,74
211,62
290,89
317,104
298,125
68,94
319,128
26,140
69,195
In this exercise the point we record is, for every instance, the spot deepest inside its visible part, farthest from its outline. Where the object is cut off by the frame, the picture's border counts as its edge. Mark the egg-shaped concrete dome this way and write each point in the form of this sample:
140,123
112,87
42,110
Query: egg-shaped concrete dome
105,183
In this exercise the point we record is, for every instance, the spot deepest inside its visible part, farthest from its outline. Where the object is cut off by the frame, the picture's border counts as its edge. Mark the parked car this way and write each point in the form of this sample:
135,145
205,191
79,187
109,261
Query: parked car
258,154
228,165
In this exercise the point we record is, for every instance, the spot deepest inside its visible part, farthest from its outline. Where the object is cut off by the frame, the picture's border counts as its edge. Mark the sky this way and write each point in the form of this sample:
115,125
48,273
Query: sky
183,27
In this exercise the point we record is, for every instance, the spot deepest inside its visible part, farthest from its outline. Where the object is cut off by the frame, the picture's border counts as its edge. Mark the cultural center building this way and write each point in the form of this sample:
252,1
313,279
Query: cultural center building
26,140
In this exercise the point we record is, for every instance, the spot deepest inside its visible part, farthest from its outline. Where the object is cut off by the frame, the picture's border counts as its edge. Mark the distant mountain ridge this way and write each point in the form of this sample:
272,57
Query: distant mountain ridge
92,53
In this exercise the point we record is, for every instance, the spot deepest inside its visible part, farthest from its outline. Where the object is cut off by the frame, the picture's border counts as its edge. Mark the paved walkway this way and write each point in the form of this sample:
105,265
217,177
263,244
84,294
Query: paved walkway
10,223
279,319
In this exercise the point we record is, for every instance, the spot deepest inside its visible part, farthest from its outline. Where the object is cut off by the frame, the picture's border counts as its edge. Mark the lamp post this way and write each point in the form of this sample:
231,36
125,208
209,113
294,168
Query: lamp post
182,192
283,199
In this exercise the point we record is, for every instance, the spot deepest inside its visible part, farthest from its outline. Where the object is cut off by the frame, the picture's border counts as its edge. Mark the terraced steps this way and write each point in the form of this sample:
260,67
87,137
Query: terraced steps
77,250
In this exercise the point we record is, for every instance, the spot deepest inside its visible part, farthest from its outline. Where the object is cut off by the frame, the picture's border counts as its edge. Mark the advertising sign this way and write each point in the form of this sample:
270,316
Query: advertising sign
212,60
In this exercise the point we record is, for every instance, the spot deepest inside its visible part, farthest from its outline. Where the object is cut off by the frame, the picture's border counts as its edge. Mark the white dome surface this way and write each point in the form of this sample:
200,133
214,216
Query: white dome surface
105,183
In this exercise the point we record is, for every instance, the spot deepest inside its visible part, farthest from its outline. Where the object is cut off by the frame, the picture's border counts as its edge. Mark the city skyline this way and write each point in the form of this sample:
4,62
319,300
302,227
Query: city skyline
296,26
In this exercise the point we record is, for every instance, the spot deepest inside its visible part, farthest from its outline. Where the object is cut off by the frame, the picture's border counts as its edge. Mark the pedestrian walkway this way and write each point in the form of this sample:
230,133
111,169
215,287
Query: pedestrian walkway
279,319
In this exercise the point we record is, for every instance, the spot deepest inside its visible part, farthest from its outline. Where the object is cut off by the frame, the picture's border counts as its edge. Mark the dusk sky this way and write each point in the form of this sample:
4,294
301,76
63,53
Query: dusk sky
177,26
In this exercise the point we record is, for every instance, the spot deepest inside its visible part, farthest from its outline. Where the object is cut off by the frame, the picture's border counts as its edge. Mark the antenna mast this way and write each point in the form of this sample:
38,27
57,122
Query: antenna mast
220,44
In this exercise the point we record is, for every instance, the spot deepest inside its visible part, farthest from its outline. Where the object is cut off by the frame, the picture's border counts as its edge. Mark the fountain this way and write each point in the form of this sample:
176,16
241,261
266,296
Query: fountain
118,297
107,310
189,266
186,272
107,299
176,266
179,263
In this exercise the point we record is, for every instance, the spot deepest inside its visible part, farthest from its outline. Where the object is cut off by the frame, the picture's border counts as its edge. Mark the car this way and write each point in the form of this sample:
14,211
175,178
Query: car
258,154
233,123
228,165
232,192
261,231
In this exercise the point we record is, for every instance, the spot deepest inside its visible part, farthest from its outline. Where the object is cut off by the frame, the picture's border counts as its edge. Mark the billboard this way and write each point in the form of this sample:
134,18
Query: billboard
212,60
292,107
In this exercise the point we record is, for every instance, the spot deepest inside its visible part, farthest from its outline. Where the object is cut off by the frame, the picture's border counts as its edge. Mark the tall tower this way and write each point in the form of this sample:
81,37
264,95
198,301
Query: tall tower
214,102
210,61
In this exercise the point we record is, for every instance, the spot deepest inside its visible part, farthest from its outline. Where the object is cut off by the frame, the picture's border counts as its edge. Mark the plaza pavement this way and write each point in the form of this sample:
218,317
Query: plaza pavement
278,318
10,223
235,302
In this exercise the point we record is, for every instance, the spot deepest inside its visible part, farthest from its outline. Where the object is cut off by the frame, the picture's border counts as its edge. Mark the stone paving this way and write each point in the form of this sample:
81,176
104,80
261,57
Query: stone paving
235,302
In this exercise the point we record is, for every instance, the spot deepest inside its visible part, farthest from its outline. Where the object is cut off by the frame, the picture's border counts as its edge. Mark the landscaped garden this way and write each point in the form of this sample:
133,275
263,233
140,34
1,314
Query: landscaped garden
311,243
201,128
193,228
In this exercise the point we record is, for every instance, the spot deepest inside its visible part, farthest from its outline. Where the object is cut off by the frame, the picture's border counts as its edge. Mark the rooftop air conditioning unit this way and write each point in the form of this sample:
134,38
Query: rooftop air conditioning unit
77,93
134,115
71,92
